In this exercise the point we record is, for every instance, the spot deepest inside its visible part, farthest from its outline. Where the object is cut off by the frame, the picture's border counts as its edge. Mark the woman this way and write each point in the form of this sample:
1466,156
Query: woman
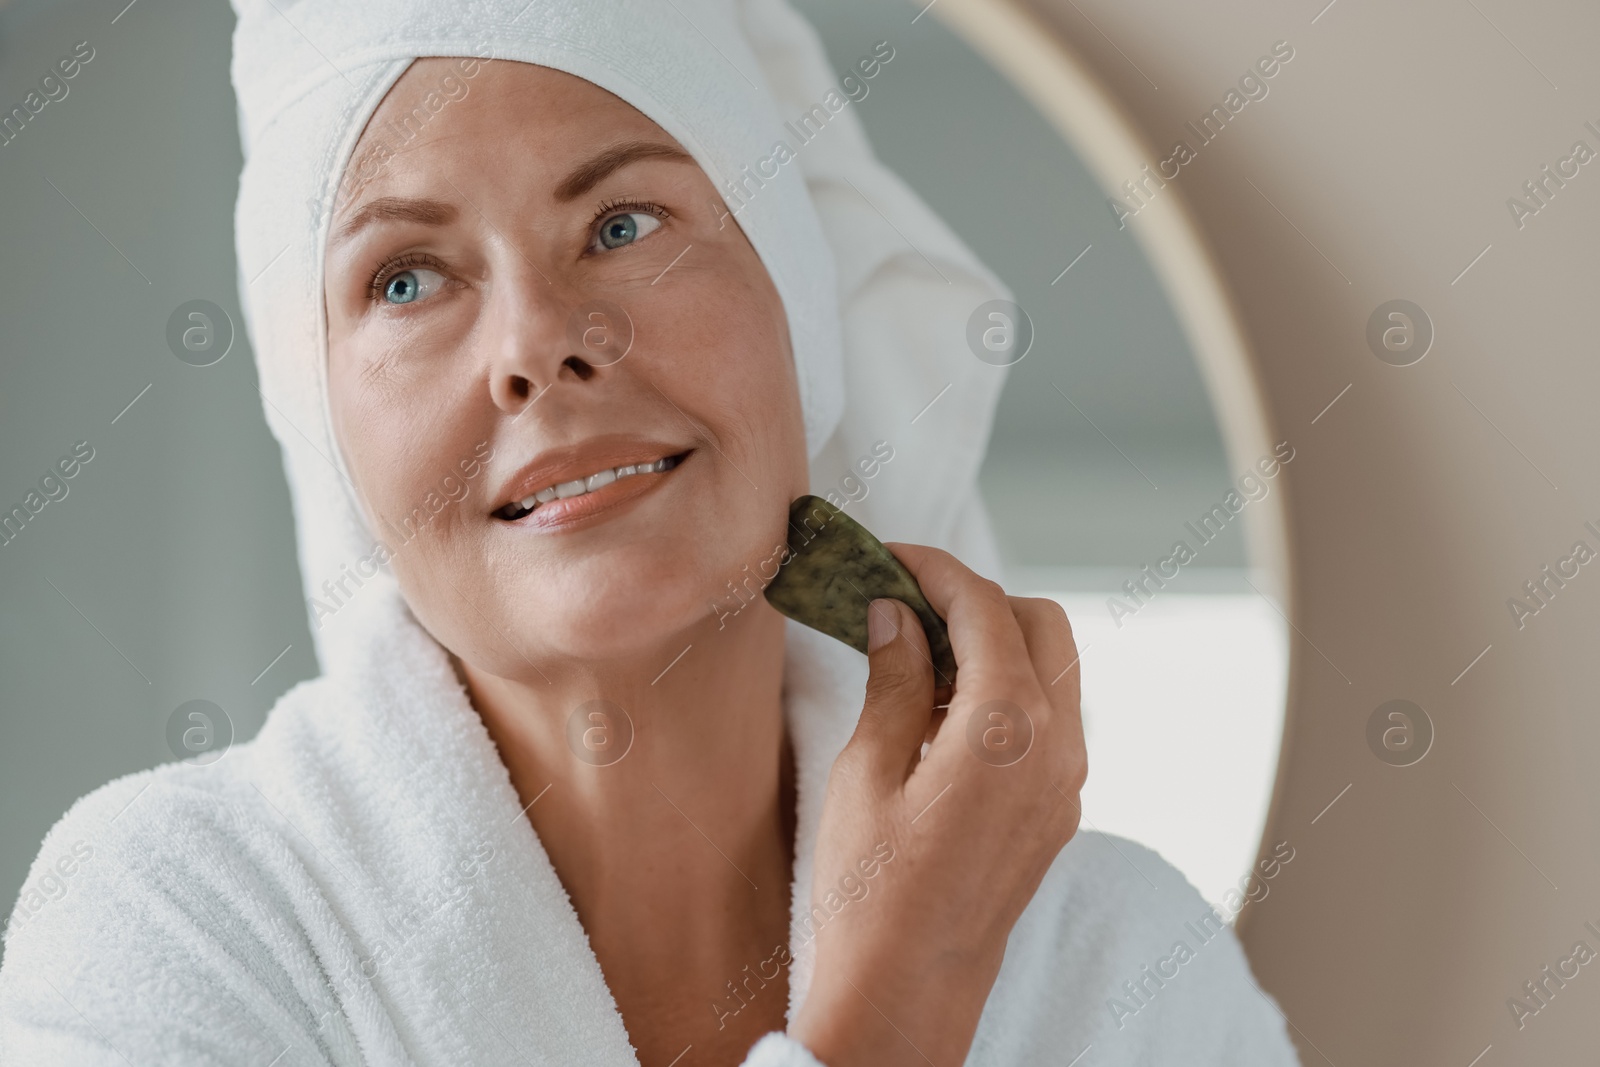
546,389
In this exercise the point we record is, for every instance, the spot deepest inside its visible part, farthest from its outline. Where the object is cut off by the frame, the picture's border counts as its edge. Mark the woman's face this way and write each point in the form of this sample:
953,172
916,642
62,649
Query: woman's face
503,229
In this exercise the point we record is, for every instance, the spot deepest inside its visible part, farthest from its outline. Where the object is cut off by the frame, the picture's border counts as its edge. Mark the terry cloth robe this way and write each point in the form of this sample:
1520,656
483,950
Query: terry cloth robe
358,887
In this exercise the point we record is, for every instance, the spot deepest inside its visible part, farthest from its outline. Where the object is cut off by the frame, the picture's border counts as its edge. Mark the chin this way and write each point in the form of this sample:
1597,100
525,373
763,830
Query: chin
620,608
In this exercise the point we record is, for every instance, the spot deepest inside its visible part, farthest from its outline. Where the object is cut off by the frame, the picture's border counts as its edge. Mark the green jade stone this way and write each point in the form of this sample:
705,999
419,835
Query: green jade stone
835,568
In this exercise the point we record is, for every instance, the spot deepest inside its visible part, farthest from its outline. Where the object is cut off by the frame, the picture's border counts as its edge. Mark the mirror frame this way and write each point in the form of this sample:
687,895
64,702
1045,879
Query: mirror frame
1067,94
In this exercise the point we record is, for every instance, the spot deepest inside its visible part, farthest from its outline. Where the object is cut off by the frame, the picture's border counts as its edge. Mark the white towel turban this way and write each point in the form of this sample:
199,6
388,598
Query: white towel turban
878,291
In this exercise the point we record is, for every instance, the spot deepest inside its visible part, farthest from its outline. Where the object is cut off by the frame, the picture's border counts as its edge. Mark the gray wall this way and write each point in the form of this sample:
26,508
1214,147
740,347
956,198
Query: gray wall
168,572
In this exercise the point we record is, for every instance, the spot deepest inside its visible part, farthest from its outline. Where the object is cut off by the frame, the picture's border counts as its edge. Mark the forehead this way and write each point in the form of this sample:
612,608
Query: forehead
528,130
444,96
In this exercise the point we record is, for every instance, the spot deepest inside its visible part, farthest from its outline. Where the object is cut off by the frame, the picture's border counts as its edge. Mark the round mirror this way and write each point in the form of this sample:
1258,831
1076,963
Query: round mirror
1110,479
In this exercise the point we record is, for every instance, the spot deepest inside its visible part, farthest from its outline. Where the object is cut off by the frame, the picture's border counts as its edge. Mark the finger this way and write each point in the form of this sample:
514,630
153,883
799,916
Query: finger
984,635
1051,648
1048,633
899,697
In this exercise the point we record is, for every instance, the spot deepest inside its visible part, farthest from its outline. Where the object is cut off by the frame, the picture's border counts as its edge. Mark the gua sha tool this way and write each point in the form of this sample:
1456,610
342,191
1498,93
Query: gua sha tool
835,568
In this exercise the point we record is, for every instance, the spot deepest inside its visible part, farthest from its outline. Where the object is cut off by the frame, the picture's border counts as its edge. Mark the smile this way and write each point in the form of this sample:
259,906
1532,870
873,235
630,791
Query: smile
578,487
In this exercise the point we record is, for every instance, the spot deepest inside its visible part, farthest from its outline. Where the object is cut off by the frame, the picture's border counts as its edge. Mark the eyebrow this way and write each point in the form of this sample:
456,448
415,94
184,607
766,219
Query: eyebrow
587,175
423,210
584,177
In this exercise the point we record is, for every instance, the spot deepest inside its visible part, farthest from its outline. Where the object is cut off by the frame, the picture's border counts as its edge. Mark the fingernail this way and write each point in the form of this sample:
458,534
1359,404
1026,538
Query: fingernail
882,623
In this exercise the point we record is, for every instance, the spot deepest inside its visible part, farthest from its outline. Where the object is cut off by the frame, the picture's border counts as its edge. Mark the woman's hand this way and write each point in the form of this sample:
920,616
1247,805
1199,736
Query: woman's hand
903,969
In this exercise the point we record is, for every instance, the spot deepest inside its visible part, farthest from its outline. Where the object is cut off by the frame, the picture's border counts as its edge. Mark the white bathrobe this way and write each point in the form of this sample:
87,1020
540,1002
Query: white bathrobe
359,884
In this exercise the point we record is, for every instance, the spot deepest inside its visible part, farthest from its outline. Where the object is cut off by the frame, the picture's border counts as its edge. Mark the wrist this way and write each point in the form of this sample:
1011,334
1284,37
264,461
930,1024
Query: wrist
909,1018
835,1028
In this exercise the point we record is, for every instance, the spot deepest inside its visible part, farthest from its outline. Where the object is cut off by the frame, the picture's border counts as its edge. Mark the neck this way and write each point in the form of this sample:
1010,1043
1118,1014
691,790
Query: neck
679,836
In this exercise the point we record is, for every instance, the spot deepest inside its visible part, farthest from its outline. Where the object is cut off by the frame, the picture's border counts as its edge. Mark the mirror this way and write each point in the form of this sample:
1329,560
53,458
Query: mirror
1106,453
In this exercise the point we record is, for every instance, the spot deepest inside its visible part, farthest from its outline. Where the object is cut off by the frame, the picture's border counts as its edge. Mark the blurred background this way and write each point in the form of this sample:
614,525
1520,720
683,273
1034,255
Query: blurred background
168,573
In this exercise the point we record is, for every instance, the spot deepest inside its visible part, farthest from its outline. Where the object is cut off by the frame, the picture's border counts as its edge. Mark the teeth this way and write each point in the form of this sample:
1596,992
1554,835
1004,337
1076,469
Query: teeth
580,486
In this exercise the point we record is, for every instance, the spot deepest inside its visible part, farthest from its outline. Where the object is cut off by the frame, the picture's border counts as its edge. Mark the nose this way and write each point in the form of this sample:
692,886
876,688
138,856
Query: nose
531,344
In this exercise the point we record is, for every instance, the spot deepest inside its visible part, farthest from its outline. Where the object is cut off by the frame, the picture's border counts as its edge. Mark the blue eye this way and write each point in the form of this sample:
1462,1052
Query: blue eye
626,228
409,286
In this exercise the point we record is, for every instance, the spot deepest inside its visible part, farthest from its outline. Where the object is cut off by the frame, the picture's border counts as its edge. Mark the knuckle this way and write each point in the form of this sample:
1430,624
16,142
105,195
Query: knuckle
1074,769
1052,610
852,769
1010,687
889,678
1023,689
1046,612
991,588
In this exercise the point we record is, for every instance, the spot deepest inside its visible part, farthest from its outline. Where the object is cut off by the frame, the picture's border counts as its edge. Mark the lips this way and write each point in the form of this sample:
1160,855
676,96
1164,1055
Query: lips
572,482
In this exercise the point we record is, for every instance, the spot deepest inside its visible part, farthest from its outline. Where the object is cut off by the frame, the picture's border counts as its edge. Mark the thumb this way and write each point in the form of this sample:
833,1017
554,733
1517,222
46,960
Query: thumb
899,699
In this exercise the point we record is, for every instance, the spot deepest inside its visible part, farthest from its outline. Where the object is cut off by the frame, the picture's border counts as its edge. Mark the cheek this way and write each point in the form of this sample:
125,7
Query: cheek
399,442
365,421
717,347
731,363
